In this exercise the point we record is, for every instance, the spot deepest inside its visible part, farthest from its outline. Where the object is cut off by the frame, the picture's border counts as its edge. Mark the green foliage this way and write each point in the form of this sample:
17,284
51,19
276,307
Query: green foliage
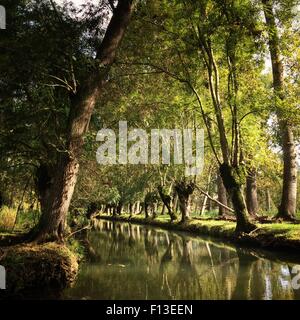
46,53
76,247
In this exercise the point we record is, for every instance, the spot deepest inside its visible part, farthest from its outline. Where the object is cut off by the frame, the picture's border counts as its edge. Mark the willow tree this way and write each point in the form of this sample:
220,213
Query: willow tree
82,104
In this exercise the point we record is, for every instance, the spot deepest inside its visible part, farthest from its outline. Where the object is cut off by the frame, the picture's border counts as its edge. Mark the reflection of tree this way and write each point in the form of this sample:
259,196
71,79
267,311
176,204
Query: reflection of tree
296,292
226,271
120,232
150,241
242,287
116,240
187,285
91,254
131,235
167,257
257,280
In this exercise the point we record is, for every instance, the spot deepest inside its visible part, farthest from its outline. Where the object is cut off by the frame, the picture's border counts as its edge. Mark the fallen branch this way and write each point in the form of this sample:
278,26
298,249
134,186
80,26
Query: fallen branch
84,228
214,200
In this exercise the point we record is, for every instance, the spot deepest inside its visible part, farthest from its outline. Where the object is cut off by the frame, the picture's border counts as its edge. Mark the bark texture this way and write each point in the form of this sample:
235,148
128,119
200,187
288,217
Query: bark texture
251,193
222,196
233,179
184,190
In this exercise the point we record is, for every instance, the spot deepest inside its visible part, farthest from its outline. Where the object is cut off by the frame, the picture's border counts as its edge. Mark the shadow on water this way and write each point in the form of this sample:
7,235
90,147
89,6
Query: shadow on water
140,262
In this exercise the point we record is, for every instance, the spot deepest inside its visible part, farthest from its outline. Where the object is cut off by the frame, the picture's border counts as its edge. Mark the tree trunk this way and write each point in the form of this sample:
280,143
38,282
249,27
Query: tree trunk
146,208
251,193
154,211
222,196
52,222
184,191
43,183
130,208
233,179
175,204
166,199
287,207
119,208
114,210
137,208
208,206
268,201
92,210
203,207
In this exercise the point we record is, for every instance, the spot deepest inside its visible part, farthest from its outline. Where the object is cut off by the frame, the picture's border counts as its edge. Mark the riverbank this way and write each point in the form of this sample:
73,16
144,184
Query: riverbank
271,236
46,269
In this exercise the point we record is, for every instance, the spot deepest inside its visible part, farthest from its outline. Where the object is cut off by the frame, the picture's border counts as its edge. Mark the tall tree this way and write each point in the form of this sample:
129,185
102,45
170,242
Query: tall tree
287,207
52,222
231,165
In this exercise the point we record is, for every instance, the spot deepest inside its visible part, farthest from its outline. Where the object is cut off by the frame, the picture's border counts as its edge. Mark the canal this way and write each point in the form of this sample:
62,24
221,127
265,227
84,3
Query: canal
129,261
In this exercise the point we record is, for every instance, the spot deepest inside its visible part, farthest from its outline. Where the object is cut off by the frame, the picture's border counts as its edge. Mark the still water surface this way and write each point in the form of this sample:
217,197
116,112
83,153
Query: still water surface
129,261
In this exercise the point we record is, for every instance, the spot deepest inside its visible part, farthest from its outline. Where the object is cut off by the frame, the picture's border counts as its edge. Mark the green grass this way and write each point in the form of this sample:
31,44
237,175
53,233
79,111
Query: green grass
272,235
285,230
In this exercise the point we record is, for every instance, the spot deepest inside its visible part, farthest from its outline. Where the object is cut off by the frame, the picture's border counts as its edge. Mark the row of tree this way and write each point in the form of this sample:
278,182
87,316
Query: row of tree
179,64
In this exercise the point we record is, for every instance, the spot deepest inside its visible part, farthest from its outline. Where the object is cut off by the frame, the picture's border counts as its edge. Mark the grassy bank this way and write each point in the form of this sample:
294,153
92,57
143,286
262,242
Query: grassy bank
281,236
45,269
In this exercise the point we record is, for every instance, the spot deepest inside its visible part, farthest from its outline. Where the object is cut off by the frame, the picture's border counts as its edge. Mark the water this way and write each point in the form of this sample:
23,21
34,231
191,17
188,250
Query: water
130,261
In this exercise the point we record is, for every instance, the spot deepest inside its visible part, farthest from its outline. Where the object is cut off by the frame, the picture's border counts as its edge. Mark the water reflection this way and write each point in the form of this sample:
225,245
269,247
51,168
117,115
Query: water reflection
138,262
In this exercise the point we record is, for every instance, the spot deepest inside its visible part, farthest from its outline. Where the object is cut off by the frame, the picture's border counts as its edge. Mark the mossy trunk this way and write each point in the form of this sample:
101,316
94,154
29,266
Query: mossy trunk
184,206
233,179
184,191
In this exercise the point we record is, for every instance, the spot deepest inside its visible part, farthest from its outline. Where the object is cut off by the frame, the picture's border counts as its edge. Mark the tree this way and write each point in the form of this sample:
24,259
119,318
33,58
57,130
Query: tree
184,190
287,207
52,222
